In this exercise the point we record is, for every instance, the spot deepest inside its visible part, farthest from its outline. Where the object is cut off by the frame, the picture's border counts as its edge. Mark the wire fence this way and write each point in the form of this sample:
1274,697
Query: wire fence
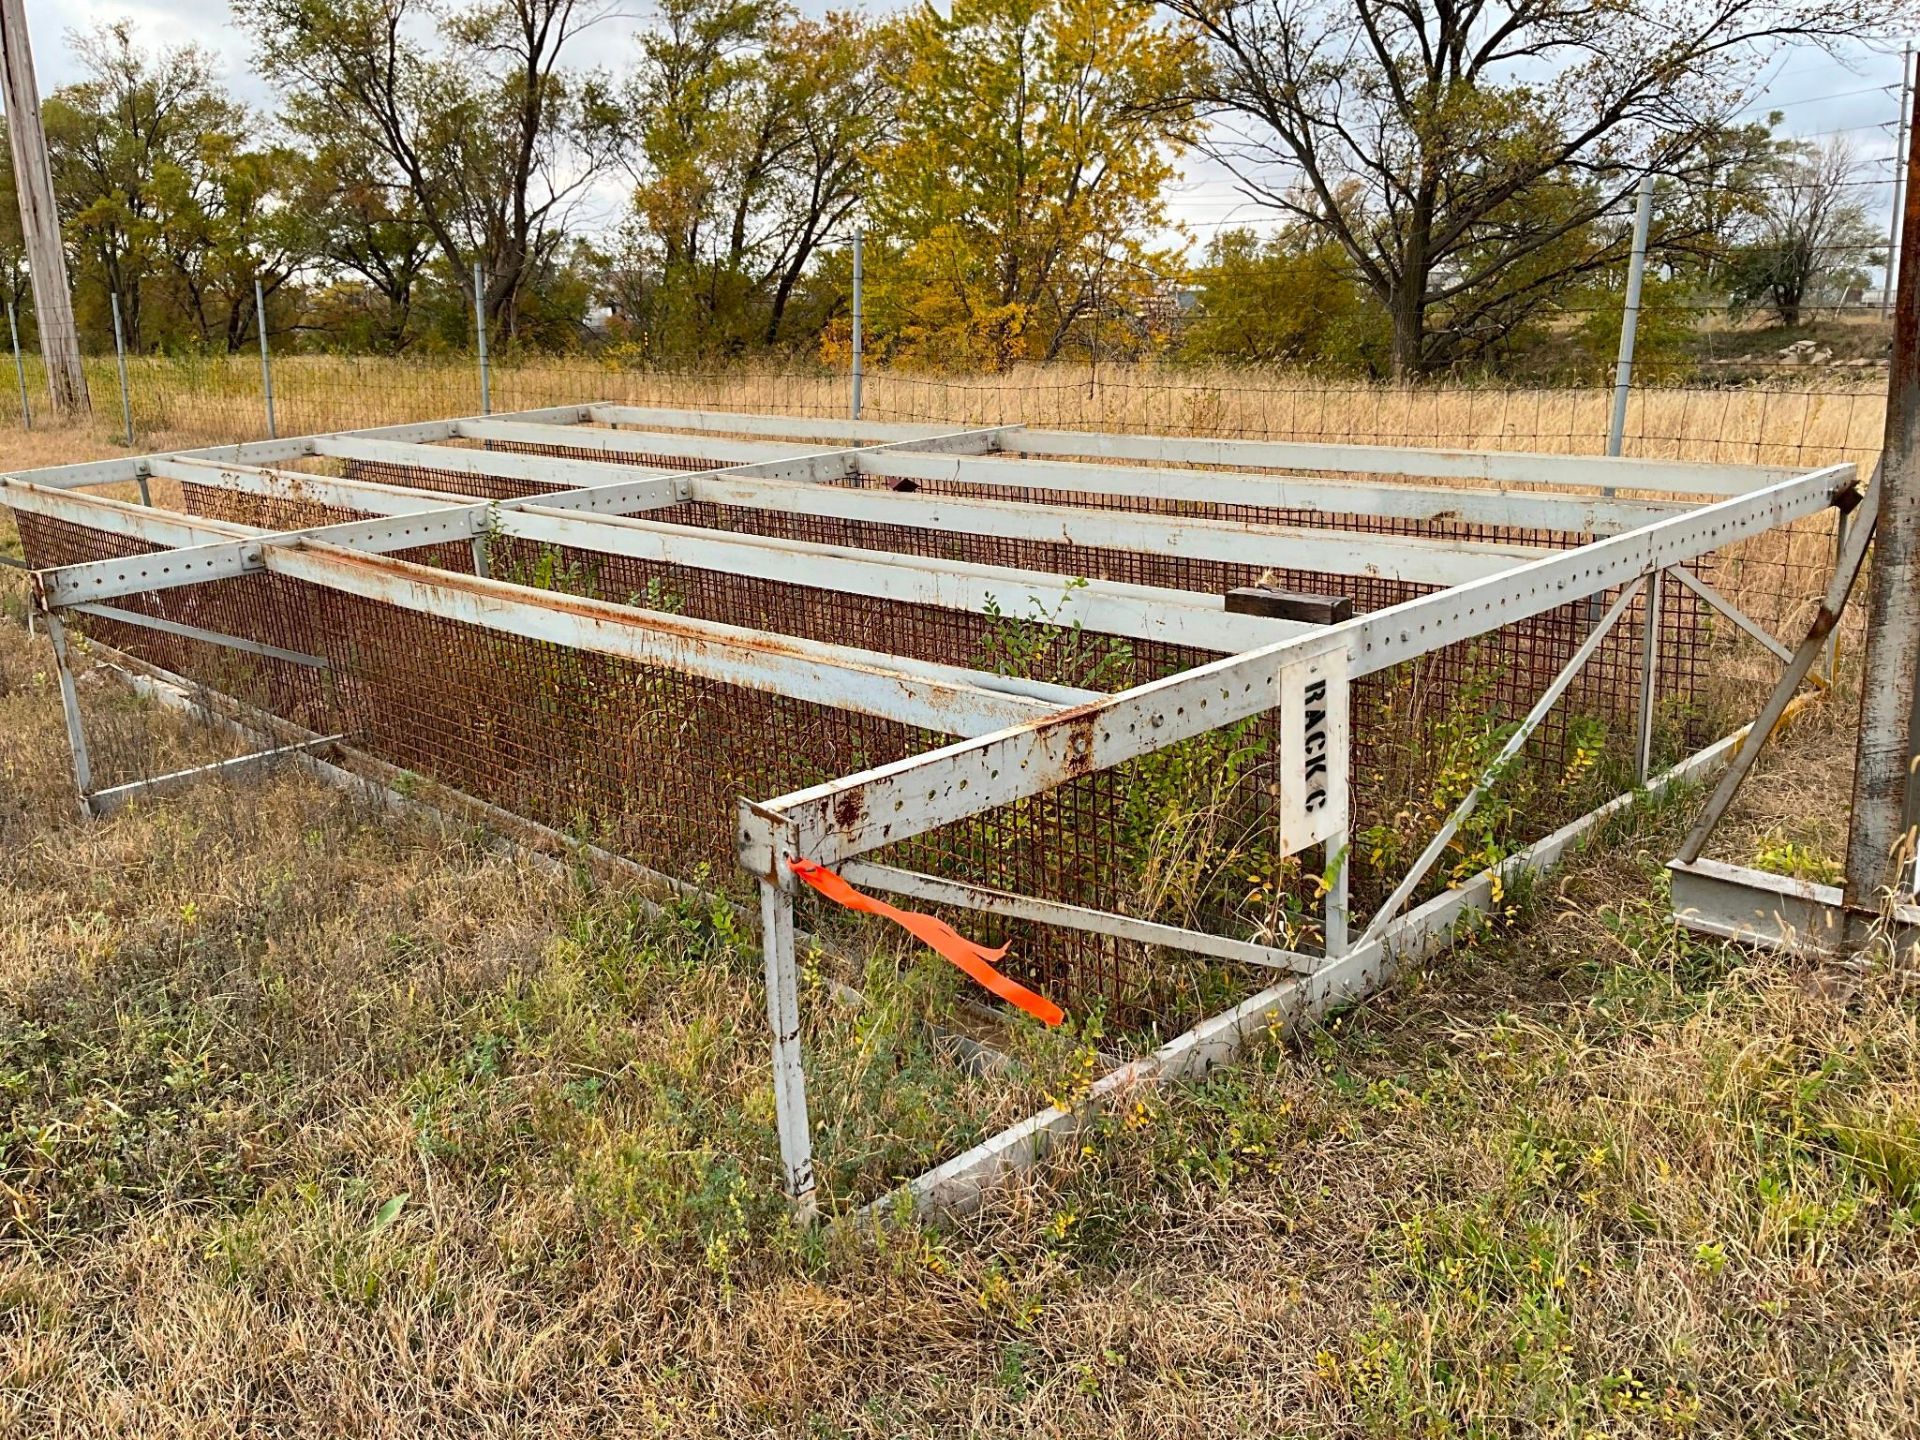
1790,416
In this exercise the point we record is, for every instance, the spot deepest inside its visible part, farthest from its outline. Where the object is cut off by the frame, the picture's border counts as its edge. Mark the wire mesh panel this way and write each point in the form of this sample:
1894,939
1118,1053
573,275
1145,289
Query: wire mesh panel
649,761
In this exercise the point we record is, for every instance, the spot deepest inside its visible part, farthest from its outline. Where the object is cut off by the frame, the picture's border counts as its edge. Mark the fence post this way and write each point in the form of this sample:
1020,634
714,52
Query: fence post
120,352
858,236
480,336
266,366
1899,177
1630,321
19,368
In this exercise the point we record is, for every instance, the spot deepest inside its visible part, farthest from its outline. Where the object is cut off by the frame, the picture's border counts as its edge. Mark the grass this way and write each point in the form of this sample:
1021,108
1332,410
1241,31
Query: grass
317,1121
1793,420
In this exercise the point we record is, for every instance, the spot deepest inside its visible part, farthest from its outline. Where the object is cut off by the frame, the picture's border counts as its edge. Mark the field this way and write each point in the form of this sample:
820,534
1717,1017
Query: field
1792,417
324,1120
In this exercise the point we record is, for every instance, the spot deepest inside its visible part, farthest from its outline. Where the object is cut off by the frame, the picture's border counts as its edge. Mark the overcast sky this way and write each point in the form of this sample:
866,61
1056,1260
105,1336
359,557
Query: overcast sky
1856,95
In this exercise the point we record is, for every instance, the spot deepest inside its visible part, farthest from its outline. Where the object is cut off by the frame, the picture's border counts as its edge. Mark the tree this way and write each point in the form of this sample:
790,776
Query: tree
1036,137
1447,147
753,124
1809,234
494,140
363,221
165,204
1288,299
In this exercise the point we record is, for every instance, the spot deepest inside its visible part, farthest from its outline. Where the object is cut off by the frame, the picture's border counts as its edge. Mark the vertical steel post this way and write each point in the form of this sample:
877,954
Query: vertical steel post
1884,793
70,706
120,352
480,340
1833,638
1899,175
1630,319
858,237
1333,918
1649,679
266,365
19,368
783,1016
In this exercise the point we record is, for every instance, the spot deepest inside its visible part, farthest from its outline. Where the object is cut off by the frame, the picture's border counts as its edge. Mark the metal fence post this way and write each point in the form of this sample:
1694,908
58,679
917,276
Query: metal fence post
858,237
1649,679
266,366
1630,320
480,337
19,368
120,351
1899,177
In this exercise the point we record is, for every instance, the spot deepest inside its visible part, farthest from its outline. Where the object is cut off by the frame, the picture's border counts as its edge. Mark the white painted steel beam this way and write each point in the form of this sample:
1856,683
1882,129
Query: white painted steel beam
127,469
651,490
1390,557
372,496
628,442
196,632
1522,509
1487,466
1137,612
105,802
1733,612
940,698
988,901
116,517
785,427
1491,775
863,812
98,580
552,470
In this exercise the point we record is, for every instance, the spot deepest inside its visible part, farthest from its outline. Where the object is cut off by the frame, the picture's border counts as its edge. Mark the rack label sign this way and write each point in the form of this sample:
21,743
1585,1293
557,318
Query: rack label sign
1314,749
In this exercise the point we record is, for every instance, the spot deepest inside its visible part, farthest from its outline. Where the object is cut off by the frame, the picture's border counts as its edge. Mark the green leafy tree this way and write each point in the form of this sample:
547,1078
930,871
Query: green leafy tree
493,137
1286,299
753,122
161,198
364,228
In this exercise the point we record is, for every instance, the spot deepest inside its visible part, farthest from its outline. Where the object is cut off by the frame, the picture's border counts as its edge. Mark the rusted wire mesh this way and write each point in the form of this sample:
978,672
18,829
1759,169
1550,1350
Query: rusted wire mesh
649,761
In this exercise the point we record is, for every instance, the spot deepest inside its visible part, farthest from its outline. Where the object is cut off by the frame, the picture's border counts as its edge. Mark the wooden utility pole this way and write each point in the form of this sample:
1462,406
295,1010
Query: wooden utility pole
39,219
1886,794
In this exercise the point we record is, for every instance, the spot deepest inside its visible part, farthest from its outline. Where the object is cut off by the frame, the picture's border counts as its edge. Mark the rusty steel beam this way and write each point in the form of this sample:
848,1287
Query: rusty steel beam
942,698
1519,509
861,812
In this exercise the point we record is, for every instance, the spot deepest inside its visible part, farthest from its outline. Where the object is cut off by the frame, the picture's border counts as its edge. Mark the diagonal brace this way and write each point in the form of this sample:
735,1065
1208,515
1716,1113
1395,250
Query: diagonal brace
1487,780
1846,569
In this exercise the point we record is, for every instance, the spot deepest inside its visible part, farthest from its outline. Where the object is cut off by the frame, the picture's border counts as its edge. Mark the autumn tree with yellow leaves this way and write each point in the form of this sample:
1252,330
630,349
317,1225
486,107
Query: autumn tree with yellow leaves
1013,212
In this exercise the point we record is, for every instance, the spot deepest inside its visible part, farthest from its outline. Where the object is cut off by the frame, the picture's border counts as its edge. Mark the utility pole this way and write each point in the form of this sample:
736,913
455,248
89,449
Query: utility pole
1886,794
1899,173
39,218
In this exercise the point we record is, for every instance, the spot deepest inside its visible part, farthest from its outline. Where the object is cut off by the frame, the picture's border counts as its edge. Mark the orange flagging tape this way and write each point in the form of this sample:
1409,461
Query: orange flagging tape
937,935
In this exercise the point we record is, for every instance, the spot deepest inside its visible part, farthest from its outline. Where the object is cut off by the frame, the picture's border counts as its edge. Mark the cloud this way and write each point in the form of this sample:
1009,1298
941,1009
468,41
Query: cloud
206,23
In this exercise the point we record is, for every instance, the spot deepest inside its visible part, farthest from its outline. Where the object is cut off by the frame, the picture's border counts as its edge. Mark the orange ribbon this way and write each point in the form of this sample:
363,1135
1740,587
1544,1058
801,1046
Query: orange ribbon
936,935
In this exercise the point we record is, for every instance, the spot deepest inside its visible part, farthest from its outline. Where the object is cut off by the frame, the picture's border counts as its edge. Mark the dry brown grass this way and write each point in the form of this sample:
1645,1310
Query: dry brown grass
1587,1178
1813,420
